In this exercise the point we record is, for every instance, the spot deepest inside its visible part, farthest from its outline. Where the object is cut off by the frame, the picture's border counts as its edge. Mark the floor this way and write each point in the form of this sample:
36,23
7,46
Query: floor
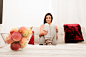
60,50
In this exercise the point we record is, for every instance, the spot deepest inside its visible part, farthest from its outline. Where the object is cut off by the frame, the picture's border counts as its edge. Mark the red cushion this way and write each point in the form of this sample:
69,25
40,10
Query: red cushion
73,33
32,39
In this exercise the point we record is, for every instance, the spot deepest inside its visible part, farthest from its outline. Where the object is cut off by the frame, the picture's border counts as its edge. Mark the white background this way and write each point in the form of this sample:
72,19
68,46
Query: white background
27,13
17,13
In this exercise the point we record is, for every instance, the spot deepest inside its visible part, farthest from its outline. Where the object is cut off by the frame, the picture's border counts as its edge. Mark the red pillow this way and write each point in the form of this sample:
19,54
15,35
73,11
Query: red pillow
73,33
32,39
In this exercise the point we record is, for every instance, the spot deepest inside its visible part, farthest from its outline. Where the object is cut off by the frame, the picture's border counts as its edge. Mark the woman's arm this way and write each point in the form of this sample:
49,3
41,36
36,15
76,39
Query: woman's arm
41,27
56,29
57,32
42,32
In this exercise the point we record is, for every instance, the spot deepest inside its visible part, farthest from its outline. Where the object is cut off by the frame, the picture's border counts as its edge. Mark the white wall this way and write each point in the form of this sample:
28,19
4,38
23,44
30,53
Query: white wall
69,11
27,13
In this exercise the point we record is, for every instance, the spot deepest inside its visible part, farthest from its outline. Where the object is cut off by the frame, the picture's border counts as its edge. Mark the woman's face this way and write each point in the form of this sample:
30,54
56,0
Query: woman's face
48,19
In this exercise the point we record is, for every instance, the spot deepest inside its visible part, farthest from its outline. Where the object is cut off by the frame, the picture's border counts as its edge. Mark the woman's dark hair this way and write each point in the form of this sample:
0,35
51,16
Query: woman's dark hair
45,17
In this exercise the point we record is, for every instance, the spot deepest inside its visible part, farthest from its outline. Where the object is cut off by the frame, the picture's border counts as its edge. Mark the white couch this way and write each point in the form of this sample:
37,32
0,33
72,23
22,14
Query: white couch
60,35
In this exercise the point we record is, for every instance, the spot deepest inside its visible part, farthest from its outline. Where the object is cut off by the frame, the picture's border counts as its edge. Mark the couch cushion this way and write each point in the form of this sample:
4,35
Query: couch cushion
60,30
31,41
60,39
36,30
36,38
73,33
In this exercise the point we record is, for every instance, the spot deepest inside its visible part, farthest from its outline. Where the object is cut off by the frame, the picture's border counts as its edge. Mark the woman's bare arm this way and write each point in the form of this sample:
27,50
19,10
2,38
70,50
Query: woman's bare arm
57,32
41,27
56,29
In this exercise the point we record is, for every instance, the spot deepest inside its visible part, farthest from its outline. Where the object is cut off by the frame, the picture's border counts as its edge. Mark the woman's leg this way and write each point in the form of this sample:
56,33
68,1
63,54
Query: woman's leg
53,34
47,27
54,41
42,40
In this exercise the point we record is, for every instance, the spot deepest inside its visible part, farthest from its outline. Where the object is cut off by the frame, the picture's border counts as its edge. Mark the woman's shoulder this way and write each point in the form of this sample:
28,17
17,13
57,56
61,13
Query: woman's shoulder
42,25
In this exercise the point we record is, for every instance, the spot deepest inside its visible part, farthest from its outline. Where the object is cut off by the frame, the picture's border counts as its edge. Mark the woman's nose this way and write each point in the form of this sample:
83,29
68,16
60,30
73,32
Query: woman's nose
48,18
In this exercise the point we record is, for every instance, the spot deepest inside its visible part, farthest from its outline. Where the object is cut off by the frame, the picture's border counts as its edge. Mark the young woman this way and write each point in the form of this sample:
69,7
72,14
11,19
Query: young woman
48,31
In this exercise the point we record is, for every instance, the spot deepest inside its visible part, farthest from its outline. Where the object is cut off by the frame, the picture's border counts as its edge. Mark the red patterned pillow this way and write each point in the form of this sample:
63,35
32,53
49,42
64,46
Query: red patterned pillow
32,39
73,33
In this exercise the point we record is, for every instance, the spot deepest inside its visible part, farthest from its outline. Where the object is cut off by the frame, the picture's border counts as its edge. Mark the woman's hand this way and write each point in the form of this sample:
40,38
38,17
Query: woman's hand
44,32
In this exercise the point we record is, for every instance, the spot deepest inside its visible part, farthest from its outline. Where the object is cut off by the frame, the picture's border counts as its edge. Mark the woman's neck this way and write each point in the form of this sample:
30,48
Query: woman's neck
49,23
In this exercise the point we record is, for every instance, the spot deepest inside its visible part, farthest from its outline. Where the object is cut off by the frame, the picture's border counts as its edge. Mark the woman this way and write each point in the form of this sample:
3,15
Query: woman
48,31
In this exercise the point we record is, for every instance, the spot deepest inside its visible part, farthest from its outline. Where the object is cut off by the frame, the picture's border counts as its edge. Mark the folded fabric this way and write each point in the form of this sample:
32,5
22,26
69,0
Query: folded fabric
73,33
32,39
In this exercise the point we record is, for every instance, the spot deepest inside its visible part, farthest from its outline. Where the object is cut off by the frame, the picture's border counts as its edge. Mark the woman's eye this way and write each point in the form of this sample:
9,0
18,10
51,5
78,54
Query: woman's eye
49,18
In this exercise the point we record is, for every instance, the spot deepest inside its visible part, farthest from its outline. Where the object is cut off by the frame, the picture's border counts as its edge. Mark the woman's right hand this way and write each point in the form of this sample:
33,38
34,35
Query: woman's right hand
44,32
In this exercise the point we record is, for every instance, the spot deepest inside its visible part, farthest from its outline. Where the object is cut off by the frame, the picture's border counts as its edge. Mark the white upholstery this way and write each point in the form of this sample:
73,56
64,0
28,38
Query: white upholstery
60,35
